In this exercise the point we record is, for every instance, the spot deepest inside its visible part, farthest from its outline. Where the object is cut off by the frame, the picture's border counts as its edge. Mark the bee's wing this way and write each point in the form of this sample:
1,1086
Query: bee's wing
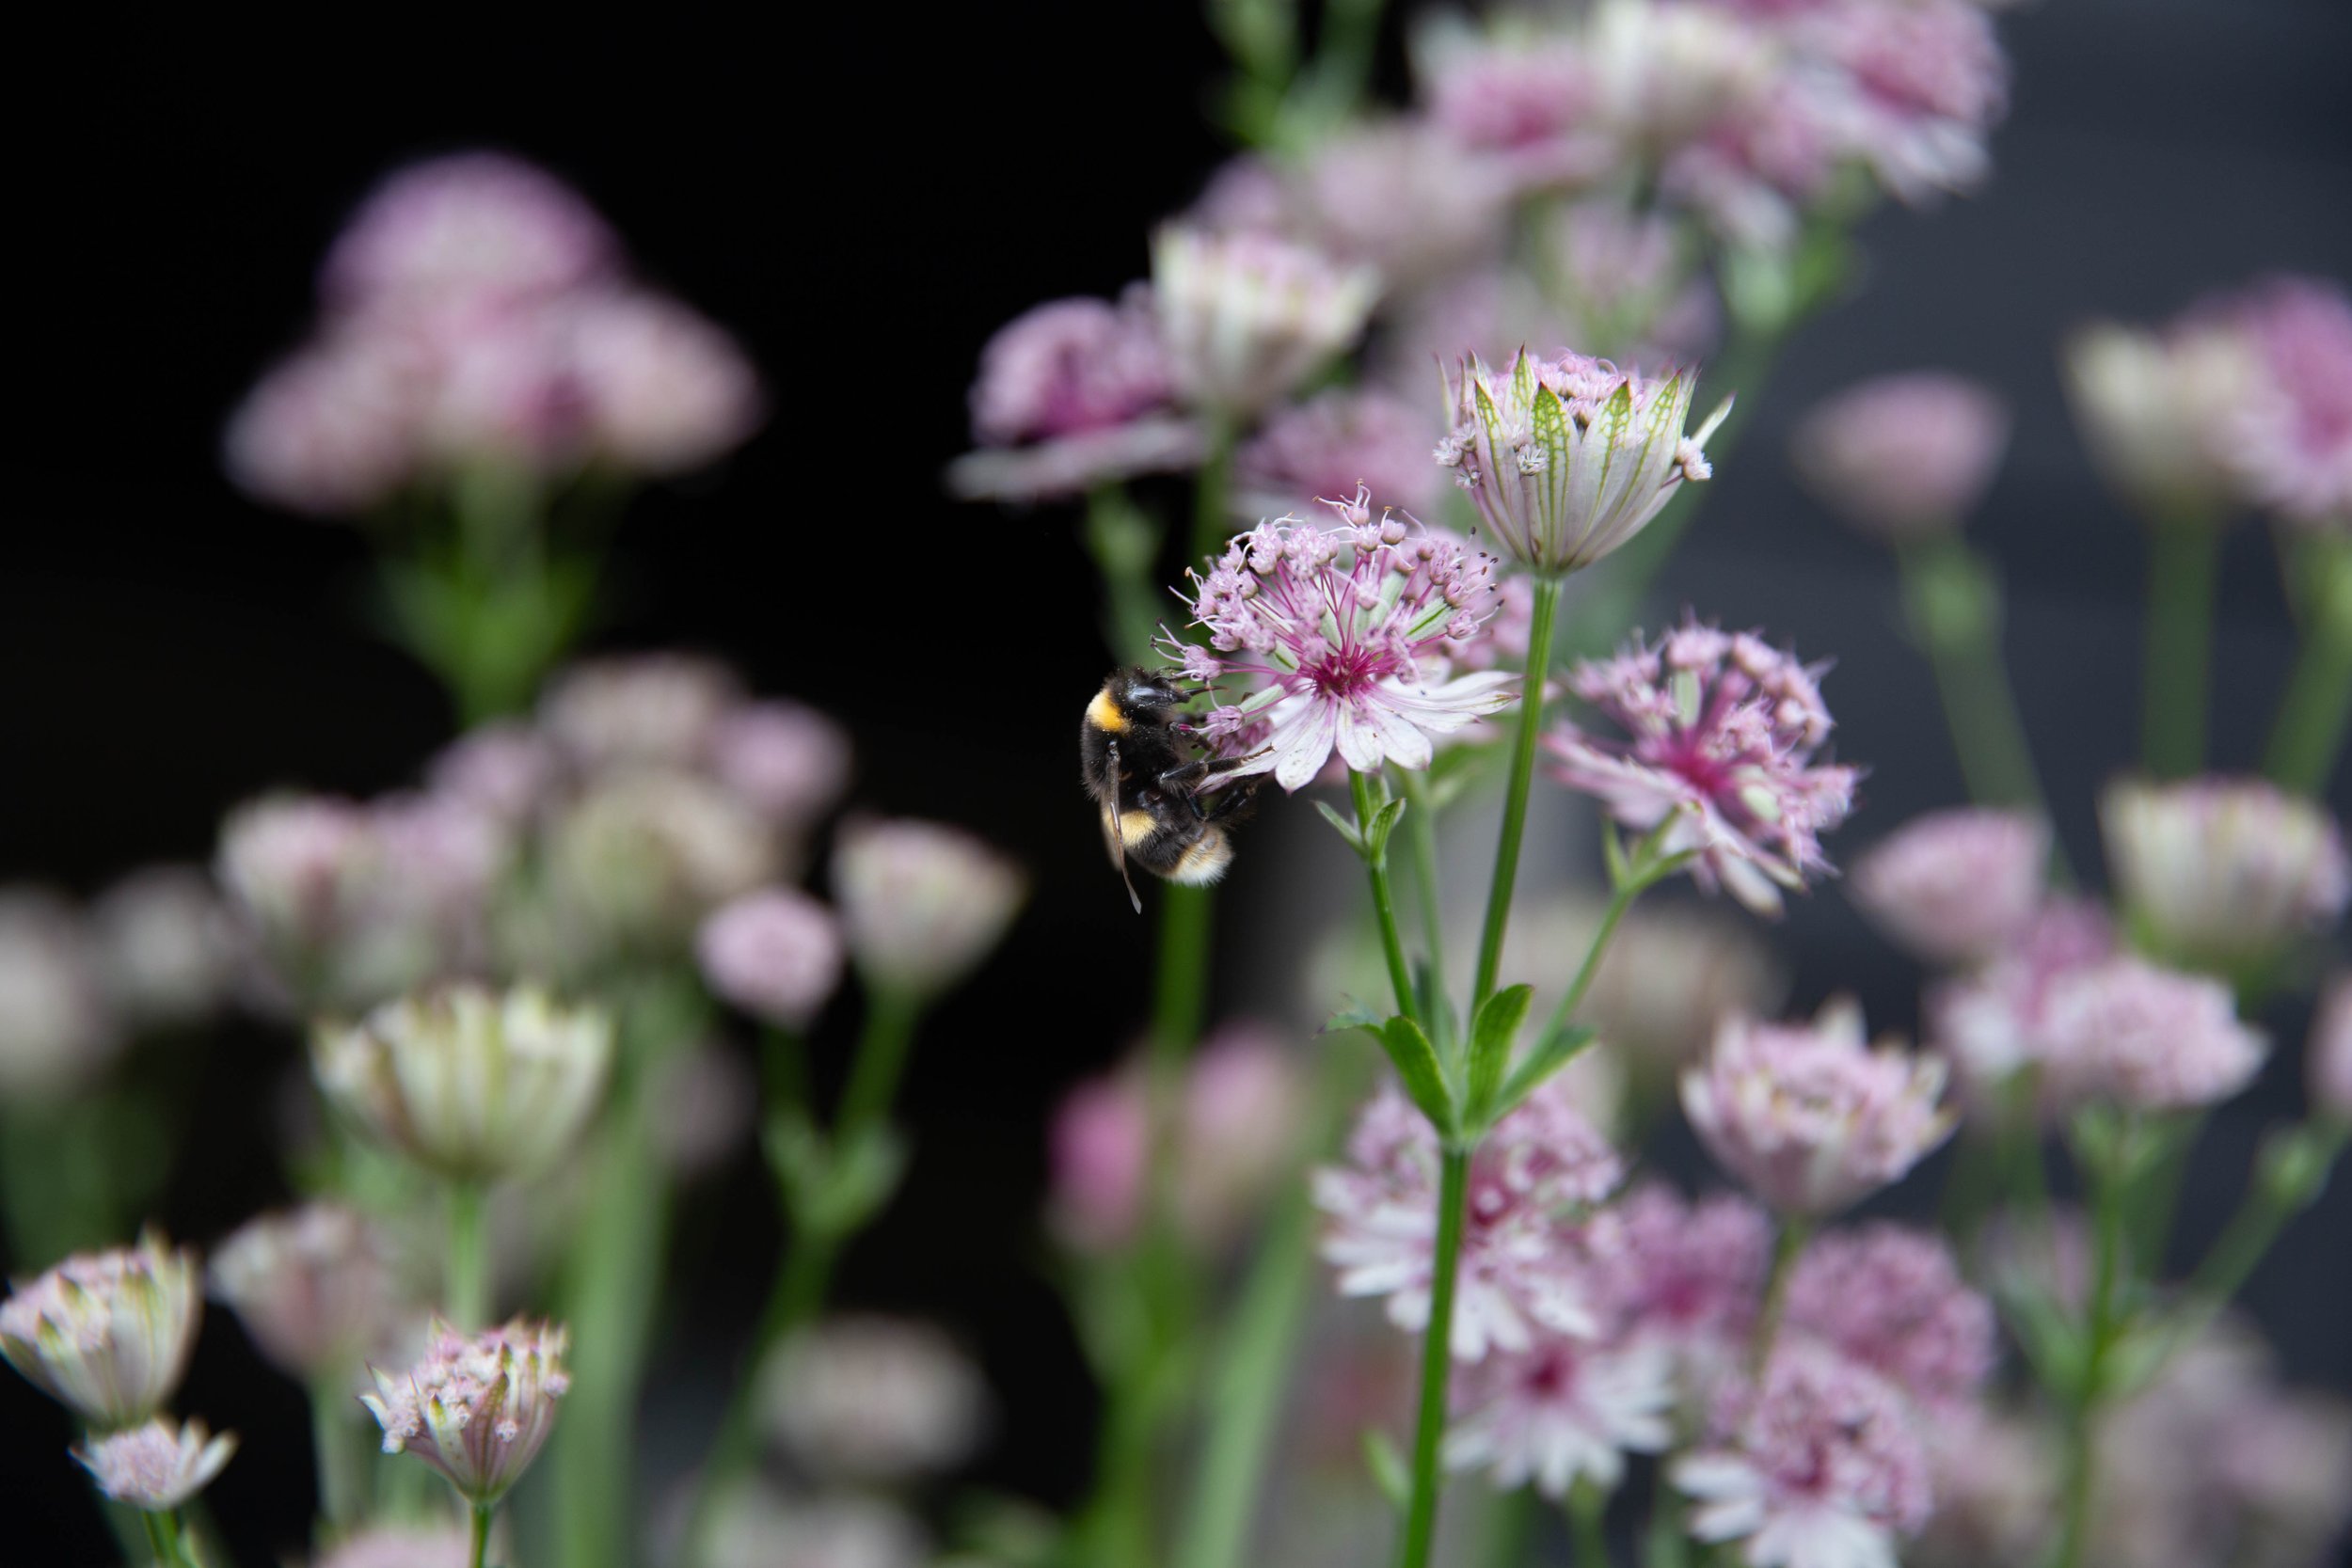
1114,833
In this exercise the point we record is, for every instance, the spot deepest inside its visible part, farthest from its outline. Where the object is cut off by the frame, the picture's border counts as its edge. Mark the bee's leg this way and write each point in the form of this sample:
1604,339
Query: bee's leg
1178,779
1239,798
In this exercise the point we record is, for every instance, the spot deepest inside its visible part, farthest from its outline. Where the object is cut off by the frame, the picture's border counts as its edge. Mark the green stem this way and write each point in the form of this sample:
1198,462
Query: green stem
1383,902
482,1512
162,1537
1953,607
2082,1408
1125,544
468,1282
1420,830
2182,555
1620,900
2292,1171
878,1065
1539,637
2307,739
1212,520
334,1438
1795,1230
1588,1508
1436,1361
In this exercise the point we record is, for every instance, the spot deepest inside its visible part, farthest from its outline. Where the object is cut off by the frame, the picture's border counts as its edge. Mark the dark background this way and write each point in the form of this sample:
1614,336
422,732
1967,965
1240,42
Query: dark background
863,208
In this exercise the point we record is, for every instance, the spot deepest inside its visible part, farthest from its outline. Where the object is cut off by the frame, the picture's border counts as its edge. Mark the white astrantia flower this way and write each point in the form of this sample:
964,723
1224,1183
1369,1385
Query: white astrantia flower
1246,317
477,1407
157,1466
107,1334
1561,1410
2222,873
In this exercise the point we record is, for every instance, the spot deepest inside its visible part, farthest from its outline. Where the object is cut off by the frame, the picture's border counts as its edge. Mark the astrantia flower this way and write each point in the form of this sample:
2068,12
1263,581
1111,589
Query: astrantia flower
470,1082
1524,105
1329,447
107,1334
2156,409
1916,86
874,1399
1821,1467
1569,458
2327,1056
2295,431
477,223
1246,317
1809,1116
56,1029
1664,73
1902,456
1956,887
313,1287
637,710
663,390
477,1407
776,954
1892,1299
921,903
1561,1410
333,430
2224,873
1995,1477
1689,1275
164,944
1401,198
787,762
159,1466
1994,1020
391,1546
1335,623
1522,1266
1722,733
1626,285
2128,1031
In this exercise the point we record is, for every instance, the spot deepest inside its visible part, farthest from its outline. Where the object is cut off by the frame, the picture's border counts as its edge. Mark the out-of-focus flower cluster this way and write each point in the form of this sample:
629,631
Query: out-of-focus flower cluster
476,314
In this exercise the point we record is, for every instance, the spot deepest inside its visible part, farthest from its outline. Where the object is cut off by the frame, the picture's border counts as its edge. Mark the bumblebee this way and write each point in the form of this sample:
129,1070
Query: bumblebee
1162,810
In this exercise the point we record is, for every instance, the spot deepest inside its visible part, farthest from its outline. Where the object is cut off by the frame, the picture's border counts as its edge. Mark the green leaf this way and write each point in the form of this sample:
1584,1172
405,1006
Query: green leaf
2046,1335
1387,1469
1346,829
1425,1078
1354,1015
1383,823
1556,1051
1491,1034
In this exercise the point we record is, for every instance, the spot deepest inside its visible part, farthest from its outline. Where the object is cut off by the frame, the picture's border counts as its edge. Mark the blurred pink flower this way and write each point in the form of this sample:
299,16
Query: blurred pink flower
395,1547
473,222
2126,1030
57,1031
1071,367
1955,888
1523,1268
637,710
788,762
1723,730
505,770
662,389
164,946
1527,104
921,903
776,954
874,1400
2221,873
1808,1116
1332,446
1920,87
1903,456
1892,1299
1688,1274
333,430
2295,430
1994,1020
1561,1410
2156,407
156,1466
314,1288
2329,1054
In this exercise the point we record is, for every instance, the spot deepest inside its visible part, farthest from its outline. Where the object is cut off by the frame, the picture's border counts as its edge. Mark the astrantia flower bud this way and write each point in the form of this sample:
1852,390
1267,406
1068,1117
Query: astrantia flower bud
473,1084
1822,1465
1246,318
159,1466
921,903
1811,1118
477,1407
2126,1031
775,954
107,1334
1522,1262
1902,456
1956,887
2328,1053
1721,731
1335,624
1569,458
2223,874
874,1399
313,1286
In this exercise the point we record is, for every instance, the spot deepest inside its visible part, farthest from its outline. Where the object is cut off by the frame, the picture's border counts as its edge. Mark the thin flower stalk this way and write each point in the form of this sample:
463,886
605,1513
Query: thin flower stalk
1795,1230
1539,638
1953,607
2182,561
1437,1360
2314,712
2101,1326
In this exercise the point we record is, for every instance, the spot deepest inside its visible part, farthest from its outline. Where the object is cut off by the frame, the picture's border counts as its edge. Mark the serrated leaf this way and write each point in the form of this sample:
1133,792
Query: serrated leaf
1556,1051
1416,1062
1387,1469
1346,829
1375,839
1491,1034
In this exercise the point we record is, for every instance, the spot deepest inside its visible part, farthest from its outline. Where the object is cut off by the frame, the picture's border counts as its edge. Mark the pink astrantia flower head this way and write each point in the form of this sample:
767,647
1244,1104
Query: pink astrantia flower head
1569,458
1912,89
1994,1020
1891,1298
2294,447
157,1466
1722,733
1820,1467
2223,874
1330,446
921,903
775,954
1246,317
2329,1054
874,1399
107,1334
2128,1031
477,1407
1070,367
787,762
1343,628
1956,887
1561,1410
1523,1263
1809,1116
481,224
662,389
637,710
1902,456
314,1288
333,430
1687,1275
1524,105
